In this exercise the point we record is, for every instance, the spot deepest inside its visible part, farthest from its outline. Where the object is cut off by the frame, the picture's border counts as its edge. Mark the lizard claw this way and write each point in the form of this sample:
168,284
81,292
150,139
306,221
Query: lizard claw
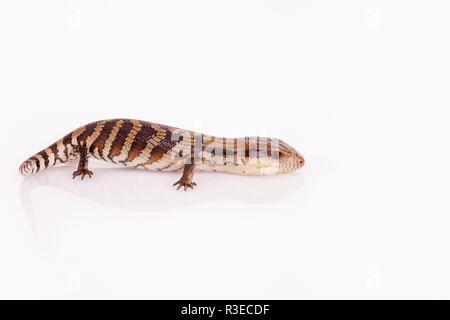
82,172
186,179
185,183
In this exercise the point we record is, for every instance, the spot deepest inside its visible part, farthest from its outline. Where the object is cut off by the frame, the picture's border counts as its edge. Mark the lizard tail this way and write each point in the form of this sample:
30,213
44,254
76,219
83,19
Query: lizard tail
58,152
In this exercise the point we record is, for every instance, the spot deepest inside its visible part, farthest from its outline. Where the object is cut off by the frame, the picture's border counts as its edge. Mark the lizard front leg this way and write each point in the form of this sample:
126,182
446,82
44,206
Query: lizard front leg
186,179
83,164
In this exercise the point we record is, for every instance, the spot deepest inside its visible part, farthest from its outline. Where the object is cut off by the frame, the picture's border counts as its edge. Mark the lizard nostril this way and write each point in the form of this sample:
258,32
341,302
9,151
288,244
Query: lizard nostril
300,159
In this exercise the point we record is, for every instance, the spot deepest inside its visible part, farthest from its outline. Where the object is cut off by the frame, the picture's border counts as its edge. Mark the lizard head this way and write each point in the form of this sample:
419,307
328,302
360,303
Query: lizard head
289,158
279,157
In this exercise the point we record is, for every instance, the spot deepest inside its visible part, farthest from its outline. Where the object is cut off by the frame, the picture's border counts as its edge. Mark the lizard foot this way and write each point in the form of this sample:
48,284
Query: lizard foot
186,183
82,172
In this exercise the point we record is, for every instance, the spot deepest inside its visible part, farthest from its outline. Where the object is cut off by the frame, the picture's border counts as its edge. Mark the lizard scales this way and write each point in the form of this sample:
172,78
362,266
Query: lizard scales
153,146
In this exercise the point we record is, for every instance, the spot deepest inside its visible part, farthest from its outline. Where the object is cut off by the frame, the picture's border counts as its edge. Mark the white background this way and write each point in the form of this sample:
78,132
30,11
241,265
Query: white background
360,88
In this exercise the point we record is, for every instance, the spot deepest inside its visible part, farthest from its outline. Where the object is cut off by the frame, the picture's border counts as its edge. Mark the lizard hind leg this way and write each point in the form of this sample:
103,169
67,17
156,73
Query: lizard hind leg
83,164
186,179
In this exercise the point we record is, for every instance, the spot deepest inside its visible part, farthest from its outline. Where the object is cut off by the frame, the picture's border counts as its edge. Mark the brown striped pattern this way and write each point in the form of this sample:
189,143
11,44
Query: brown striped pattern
85,133
151,142
128,143
141,140
160,148
119,139
75,134
111,138
99,143
155,146
95,134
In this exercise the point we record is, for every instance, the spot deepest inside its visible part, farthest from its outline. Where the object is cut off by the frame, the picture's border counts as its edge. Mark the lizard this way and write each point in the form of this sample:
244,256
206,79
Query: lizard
153,146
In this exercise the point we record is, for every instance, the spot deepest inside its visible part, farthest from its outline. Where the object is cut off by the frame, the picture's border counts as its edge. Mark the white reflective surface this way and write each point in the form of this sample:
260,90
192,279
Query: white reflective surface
360,89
